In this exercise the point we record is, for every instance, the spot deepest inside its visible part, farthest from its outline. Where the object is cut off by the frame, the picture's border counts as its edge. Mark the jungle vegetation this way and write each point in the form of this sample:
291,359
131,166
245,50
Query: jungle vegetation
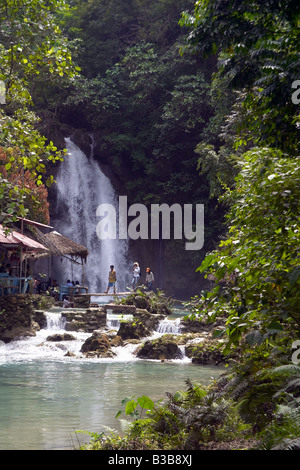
191,102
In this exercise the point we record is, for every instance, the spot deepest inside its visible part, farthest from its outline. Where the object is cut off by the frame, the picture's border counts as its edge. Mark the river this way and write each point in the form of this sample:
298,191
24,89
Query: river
46,397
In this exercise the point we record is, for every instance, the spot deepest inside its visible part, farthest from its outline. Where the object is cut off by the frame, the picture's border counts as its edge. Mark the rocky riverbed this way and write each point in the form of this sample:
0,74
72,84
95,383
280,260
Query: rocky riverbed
137,326
193,340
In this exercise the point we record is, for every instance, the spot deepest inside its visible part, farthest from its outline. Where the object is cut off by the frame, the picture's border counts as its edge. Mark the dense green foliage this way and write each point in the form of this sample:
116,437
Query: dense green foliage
32,51
147,105
186,418
256,268
250,144
135,99
257,45
255,412
190,103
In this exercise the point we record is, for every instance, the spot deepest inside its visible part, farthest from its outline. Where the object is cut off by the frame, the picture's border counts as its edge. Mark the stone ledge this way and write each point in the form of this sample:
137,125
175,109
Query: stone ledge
122,309
21,315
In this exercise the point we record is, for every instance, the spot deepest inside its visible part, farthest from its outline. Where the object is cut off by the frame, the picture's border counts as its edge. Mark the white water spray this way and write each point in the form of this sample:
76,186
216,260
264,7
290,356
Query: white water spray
55,321
169,326
81,187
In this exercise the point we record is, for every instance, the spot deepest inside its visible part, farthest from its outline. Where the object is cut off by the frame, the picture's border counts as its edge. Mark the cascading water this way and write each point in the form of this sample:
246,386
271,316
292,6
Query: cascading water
113,320
169,326
55,321
81,188
41,347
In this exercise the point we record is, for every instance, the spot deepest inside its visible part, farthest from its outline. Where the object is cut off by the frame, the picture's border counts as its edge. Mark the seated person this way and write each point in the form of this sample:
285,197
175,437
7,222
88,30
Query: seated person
67,303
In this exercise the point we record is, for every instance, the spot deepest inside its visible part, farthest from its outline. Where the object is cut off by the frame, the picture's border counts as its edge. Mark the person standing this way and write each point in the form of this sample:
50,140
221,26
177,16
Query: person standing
112,277
149,278
136,272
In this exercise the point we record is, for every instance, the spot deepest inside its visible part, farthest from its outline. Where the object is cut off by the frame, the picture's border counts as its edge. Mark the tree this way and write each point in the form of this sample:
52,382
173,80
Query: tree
256,266
32,193
257,45
32,46
256,269
107,28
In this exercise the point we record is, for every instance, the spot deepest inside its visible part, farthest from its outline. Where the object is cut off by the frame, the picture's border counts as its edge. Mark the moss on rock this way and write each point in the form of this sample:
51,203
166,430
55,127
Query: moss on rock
162,348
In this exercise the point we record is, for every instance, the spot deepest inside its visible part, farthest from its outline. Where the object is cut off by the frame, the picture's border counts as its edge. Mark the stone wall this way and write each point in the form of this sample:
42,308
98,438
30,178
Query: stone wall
20,315
88,320
82,301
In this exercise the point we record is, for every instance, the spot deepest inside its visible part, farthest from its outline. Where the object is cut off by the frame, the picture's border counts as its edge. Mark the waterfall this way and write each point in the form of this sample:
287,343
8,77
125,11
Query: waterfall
169,326
55,321
113,320
81,187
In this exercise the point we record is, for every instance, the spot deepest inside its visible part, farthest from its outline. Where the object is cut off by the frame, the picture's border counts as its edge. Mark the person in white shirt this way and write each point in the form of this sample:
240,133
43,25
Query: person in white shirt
136,272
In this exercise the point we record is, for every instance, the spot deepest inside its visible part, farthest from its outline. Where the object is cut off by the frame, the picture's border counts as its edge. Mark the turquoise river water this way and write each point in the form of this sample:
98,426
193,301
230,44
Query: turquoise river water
46,397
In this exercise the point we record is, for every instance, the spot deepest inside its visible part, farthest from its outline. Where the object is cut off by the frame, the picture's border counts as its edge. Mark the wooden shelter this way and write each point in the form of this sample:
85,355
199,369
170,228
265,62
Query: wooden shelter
59,246
14,239
16,247
32,244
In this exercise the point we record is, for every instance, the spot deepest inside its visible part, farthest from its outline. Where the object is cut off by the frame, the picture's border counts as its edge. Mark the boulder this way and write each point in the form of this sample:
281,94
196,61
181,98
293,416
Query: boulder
148,319
61,337
133,330
162,348
21,315
97,345
75,325
82,139
205,353
117,341
16,333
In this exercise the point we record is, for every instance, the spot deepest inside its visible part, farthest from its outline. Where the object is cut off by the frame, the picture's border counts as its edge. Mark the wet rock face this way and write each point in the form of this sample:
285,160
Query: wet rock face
141,326
133,330
82,139
88,320
161,348
150,320
61,337
20,317
97,345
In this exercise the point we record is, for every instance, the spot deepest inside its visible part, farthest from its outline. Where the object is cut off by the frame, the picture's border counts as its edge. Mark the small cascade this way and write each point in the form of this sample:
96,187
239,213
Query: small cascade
126,353
40,347
35,348
55,321
169,326
113,320
113,323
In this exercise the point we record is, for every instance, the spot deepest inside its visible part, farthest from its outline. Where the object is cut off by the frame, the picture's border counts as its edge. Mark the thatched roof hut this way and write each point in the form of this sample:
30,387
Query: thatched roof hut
47,245
59,245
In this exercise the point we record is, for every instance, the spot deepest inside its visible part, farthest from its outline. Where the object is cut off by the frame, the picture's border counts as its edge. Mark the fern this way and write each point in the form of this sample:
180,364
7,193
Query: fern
287,369
288,444
293,385
284,431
